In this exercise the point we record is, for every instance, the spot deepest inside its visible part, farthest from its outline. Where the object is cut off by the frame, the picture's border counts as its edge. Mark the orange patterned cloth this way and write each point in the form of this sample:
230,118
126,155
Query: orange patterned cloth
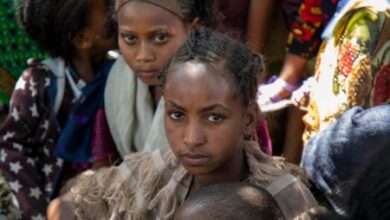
353,65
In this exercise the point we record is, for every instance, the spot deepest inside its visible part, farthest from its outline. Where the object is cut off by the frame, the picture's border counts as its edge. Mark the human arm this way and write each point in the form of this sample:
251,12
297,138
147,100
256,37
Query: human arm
61,208
106,192
303,43
259,16
305,37
85,197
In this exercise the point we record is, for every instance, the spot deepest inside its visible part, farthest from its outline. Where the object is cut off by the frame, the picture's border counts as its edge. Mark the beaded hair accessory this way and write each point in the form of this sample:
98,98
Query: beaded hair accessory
169,5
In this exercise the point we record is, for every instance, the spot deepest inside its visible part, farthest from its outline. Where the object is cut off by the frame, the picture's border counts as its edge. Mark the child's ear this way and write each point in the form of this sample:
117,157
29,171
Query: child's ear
82,40
251,119
195,24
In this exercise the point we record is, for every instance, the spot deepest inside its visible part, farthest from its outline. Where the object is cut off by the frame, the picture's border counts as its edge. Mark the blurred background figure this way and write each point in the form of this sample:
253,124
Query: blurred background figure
353,52
47,91
263,26
15,49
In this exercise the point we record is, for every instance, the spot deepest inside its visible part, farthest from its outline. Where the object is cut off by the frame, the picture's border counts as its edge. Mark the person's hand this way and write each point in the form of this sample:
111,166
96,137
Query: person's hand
275,94
301,96
61,208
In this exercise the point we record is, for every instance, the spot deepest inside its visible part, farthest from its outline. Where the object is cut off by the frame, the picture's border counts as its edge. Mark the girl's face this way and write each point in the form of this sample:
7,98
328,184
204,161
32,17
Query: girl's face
99,41
204,118
148,37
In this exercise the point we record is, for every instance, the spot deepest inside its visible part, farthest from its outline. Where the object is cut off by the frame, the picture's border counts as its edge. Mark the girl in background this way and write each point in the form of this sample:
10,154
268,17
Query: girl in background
75,34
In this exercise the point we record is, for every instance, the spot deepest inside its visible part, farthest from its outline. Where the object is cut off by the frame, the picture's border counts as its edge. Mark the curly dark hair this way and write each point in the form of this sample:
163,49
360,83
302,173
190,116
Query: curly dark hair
54,23
207,46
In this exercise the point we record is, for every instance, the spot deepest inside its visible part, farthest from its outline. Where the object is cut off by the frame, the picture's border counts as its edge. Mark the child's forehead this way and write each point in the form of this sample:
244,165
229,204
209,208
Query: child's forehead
206,77
140,15
197,70
170,6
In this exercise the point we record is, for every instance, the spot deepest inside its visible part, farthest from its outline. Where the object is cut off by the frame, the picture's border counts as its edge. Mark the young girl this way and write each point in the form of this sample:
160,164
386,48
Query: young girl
150,31
74,33
210,110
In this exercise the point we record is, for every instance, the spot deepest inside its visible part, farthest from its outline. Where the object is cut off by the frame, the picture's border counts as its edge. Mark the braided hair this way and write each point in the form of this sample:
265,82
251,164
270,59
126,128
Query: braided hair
54,23
206,46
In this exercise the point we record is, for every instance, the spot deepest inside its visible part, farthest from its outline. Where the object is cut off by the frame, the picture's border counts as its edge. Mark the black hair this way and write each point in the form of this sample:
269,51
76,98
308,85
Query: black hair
370,197
54,23
234,201
205,10
207,46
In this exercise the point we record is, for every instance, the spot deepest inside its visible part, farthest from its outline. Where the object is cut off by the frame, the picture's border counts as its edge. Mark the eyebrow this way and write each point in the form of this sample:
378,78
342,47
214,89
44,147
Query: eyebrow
205,109
152,29
169,102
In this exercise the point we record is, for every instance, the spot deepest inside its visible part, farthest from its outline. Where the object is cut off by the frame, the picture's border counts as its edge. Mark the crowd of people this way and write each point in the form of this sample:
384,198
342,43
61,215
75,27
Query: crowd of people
159,109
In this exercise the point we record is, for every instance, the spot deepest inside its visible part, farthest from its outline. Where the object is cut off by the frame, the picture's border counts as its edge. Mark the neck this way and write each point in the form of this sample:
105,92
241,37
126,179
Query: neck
233,171
156,94
83,67
85,64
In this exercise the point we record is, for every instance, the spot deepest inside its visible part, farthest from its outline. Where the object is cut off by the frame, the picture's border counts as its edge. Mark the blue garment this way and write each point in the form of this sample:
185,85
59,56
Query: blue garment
340,11
74,143
335,156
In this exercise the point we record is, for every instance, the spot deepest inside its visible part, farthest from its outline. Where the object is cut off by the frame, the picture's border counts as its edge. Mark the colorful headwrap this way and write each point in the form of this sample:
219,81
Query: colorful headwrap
169,5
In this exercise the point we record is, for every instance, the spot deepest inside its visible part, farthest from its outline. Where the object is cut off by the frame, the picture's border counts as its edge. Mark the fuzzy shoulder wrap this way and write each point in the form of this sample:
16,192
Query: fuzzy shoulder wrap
144,186
152,185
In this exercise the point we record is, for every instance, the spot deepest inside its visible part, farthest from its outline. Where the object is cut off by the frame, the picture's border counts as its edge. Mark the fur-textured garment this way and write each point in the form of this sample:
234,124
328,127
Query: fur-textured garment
152,185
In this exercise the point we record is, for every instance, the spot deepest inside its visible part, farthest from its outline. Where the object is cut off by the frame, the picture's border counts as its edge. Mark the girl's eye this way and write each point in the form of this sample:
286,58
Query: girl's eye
176,115
161,38
215,118
129,38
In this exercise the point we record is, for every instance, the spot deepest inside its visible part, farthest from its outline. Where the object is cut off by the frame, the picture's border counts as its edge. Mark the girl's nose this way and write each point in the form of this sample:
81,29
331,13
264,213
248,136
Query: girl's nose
144,53
194,136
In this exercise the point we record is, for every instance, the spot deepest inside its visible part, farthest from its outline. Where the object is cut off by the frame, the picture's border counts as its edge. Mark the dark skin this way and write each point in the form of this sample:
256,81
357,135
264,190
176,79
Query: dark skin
89,48
148,37
88,54
206,122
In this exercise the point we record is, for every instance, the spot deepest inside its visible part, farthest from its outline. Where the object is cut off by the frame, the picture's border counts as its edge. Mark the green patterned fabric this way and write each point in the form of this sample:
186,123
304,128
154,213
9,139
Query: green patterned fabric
15,49
8,204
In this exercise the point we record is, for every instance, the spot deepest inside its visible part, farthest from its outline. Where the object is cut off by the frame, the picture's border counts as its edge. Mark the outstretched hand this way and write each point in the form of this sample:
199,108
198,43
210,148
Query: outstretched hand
269,98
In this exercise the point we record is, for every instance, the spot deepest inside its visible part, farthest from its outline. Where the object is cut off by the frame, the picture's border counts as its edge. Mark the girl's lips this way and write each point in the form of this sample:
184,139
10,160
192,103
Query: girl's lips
148,74
194,159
